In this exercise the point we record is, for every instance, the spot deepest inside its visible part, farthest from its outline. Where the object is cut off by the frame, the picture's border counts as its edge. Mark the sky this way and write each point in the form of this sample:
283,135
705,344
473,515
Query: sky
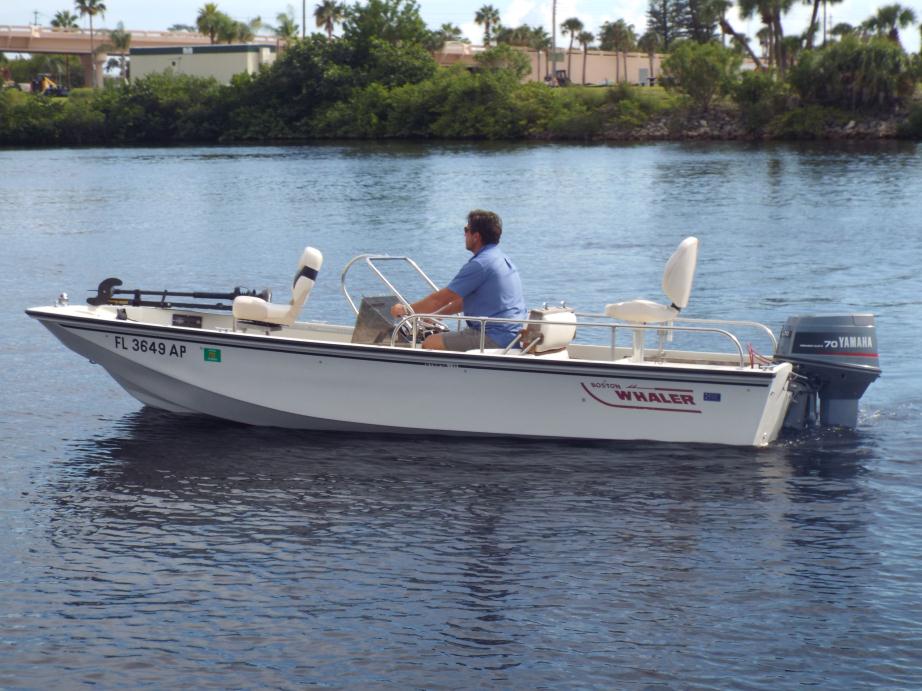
158,15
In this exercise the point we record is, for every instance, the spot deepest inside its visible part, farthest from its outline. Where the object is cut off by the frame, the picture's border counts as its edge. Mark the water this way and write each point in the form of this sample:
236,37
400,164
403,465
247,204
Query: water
137,548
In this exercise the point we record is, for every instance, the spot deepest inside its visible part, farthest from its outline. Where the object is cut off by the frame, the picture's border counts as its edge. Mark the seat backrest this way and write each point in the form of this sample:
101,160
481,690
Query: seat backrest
551,336
679,272
308,267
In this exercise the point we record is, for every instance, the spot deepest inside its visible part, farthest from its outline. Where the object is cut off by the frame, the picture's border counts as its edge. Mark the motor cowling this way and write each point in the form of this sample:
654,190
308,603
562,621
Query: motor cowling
836,358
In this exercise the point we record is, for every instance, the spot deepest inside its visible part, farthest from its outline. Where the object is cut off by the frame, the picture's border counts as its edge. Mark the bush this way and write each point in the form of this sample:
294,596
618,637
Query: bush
806,123
702,71
912,128
760,98
855,74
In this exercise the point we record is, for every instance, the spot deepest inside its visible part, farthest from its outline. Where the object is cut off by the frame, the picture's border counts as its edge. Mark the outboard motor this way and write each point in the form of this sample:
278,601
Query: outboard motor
836,360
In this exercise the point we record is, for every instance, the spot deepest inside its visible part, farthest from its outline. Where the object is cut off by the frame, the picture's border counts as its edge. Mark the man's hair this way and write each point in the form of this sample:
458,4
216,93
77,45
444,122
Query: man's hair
487,223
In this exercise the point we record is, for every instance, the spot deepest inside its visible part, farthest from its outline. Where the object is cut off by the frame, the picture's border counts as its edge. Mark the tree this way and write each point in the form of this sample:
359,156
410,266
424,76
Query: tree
649,43
571,27
541,41
286,28
210,20
698,20
90,8
585,38
741,41
702,70
451,32
663,19
889,20
770,13
182,27
119,42
327,14
855,74
619,37
64,21
487,17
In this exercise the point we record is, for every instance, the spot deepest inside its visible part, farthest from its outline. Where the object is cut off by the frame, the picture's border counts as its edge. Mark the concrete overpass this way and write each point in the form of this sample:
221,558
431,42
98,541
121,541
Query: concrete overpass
39,39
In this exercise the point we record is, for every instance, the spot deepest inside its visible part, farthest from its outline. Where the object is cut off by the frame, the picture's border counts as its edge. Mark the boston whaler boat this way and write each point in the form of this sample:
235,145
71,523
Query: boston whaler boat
612,375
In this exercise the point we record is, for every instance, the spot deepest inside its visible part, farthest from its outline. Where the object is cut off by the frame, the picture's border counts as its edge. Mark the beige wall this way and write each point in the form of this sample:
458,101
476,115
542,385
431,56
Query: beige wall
601,67
221,66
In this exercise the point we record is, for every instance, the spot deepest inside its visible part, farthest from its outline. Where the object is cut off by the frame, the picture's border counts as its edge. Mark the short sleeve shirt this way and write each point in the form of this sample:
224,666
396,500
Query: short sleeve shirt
490,286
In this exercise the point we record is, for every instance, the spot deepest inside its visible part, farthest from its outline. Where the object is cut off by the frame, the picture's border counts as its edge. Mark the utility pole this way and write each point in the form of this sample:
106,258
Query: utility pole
554,40
34,17
303,17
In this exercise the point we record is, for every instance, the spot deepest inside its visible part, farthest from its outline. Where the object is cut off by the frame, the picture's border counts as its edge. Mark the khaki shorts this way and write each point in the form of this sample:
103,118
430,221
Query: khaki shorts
467,339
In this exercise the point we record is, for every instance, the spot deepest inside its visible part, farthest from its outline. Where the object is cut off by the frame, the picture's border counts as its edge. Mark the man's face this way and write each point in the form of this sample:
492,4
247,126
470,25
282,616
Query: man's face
470,239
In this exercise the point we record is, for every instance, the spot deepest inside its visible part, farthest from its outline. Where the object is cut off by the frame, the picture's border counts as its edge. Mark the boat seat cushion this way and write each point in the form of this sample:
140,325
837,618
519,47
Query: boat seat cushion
248,308
255,309
641,312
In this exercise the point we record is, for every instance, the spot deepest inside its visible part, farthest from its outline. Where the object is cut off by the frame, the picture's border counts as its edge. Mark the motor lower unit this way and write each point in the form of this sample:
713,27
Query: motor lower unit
835,359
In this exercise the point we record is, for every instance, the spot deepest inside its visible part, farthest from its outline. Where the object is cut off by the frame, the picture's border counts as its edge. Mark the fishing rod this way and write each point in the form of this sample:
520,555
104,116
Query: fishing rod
108,289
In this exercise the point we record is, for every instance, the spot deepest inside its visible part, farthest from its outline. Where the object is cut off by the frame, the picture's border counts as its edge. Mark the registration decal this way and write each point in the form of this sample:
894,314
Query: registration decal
658,398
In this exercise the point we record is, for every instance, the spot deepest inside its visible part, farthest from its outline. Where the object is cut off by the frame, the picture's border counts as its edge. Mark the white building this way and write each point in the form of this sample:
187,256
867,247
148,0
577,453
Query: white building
219,61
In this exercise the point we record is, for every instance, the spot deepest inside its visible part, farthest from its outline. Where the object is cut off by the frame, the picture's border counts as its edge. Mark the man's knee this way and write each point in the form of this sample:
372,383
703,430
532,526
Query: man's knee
434,342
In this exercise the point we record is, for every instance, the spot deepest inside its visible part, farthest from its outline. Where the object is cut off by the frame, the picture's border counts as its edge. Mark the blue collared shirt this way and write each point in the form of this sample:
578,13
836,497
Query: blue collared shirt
490,286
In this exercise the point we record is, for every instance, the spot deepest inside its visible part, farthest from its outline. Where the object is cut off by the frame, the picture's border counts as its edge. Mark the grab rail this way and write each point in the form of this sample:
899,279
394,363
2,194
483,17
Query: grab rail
413,321
370,260
690,320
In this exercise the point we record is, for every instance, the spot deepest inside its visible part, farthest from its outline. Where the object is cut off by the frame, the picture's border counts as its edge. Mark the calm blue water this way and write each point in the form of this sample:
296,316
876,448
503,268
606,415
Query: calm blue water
137,548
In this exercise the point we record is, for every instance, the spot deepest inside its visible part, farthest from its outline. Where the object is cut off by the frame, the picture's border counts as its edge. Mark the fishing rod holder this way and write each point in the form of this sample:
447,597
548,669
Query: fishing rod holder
108,289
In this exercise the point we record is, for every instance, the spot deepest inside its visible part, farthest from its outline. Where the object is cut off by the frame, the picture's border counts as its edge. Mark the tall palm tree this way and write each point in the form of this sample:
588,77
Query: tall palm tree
571,28
585,38
487,17
451,32
889,20
650,43
121,43
64,21
770,12
286,30
619,37
540,41
90,8
209,21
327,14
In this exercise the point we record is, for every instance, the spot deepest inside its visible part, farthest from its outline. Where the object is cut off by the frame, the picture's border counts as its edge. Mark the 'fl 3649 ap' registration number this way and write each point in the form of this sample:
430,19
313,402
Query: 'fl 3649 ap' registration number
149,345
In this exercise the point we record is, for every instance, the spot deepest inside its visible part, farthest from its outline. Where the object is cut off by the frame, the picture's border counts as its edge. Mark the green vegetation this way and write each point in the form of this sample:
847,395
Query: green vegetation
377,79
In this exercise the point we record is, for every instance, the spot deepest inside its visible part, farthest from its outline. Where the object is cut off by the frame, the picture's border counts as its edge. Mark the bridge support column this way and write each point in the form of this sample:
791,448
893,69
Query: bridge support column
87,64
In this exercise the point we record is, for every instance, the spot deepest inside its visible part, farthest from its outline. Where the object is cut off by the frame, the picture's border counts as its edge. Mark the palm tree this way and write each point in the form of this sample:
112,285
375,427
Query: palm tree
585,38
487,17
451,32
649,43
120,41
619,37
770,12
209,21
90,8
327,14
540,41
64,21
889,20
287,28
571,27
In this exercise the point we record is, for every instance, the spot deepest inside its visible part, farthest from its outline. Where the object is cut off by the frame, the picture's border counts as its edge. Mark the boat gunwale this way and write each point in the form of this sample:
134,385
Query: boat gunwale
626,370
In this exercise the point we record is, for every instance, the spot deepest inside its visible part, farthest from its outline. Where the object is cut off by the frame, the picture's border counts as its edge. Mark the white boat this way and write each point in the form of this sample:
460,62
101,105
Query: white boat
611,375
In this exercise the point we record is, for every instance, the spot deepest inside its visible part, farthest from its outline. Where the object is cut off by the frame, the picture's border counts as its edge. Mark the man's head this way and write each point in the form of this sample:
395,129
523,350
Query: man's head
486,224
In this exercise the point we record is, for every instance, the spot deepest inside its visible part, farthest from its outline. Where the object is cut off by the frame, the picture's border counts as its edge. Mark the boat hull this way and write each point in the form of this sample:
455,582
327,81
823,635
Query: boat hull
268,380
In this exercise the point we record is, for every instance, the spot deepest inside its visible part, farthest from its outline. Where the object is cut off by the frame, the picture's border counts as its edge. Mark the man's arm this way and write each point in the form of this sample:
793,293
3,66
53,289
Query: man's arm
435,302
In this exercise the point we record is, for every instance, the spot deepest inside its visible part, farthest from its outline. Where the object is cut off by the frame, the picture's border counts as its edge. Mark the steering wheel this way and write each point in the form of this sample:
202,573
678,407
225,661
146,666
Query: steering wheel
425,327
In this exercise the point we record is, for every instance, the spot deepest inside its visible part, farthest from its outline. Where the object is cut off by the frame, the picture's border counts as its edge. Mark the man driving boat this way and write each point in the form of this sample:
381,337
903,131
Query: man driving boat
488,285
